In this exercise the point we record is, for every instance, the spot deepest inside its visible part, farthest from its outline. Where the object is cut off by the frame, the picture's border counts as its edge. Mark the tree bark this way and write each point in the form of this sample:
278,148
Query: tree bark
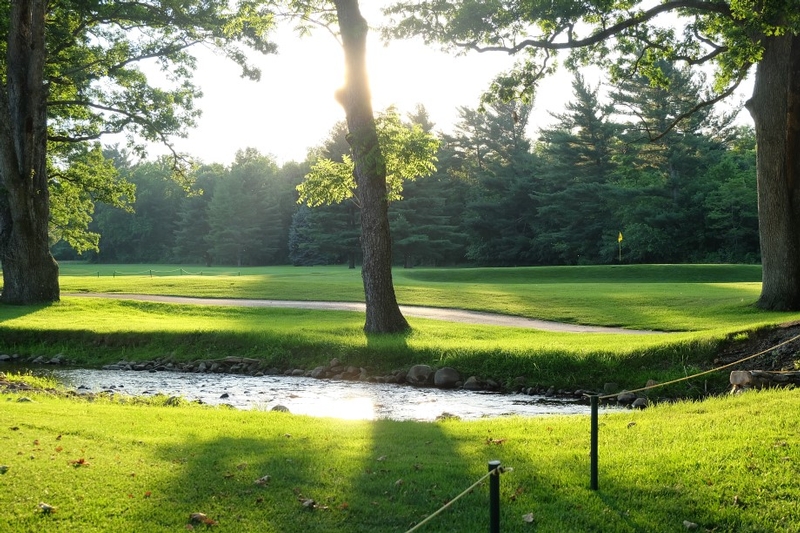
30,274
383,313
775,107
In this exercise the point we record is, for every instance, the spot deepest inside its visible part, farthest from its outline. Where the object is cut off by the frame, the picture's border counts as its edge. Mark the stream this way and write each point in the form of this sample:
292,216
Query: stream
307,396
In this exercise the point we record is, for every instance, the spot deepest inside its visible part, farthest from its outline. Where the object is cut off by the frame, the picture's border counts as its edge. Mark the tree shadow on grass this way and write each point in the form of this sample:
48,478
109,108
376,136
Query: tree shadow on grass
361,476
11,312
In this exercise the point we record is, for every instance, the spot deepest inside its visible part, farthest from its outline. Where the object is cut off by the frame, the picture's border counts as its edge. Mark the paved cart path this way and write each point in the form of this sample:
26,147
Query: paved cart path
434,313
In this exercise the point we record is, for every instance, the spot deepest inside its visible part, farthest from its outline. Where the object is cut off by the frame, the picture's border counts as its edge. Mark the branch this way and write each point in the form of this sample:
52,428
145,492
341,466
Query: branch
600,36
697,107
132,118
83,138
171,49
689,60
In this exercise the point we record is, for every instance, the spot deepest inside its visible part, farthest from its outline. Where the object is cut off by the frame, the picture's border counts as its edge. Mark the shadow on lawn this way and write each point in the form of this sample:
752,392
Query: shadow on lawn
11,312
340,476
362,477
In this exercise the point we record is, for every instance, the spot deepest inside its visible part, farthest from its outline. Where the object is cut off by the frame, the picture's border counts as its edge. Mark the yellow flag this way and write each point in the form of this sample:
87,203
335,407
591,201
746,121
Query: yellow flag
619,239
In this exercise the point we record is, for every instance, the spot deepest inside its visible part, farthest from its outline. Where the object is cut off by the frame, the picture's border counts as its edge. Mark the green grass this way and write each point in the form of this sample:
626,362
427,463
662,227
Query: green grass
96,332
662,297
728,464
701,305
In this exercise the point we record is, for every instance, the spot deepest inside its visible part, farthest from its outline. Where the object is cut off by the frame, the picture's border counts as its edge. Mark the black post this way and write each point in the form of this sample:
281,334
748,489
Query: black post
593,446
494,497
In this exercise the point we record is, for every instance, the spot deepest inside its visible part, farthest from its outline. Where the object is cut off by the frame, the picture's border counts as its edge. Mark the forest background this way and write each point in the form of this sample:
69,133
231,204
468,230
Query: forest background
596,187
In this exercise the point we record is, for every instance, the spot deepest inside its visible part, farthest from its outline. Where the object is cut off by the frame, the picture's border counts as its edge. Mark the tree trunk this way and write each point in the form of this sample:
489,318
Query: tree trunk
30,274
775,107
383,313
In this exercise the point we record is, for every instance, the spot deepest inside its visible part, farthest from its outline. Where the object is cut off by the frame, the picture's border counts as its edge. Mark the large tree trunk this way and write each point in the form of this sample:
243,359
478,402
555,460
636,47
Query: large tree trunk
383,313
30,274
775,107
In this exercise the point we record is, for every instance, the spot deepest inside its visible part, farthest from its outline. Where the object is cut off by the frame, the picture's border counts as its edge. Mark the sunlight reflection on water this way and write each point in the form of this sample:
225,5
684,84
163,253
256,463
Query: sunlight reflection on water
339,399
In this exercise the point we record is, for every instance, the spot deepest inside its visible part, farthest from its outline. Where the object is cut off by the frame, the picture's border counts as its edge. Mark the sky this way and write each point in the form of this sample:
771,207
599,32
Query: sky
293,108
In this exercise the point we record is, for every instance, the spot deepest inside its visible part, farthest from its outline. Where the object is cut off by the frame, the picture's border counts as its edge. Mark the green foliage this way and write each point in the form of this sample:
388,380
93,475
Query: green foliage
408,151
96,85
628,38
87,177
145,233
240,214
492,155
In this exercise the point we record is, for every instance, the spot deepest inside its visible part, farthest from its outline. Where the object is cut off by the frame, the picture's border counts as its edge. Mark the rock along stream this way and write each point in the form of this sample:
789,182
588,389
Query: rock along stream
324,398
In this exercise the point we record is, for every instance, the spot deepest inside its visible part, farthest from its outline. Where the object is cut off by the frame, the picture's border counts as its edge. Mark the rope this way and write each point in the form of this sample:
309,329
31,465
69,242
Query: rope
723,367
496,471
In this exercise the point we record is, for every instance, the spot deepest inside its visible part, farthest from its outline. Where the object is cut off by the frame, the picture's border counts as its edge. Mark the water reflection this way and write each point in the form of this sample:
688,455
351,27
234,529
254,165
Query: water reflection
339,399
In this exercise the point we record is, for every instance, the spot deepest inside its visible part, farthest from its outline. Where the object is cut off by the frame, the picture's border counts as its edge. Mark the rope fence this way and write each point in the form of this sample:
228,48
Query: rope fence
151,273
595,398
706,372
494,498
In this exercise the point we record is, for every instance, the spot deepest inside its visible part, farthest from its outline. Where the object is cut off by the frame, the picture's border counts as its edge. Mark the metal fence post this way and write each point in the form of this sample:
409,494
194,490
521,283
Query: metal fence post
593,446
494,497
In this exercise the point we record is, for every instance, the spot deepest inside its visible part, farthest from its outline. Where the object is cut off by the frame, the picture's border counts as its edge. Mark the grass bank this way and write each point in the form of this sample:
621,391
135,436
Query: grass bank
696,306
728,464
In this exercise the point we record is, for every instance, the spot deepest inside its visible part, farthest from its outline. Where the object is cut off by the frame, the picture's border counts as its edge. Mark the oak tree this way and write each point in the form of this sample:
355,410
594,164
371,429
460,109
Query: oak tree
69,74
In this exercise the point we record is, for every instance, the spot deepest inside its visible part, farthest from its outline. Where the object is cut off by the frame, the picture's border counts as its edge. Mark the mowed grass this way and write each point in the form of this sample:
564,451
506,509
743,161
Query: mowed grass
728,464
660,297
699,305
94,332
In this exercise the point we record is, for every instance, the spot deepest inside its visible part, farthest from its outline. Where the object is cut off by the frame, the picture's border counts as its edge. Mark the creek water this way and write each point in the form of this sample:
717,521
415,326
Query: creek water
308,396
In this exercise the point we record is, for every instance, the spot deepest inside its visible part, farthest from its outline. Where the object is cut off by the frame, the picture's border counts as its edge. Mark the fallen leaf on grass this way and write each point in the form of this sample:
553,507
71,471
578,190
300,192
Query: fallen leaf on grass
308,503
201,518
528,518
382,458
241,466
79,462
46,508
58,449
227,475
148,494
263,480
343,506
495,441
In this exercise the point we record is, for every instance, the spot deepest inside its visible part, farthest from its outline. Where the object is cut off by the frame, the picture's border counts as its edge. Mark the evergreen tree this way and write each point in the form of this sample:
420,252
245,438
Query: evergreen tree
192,228
493,155
243,215
575,219
145,235
661,179
732,207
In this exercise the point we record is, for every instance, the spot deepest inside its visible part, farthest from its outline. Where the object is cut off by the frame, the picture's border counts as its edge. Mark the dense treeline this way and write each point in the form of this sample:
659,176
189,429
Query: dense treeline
607,168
